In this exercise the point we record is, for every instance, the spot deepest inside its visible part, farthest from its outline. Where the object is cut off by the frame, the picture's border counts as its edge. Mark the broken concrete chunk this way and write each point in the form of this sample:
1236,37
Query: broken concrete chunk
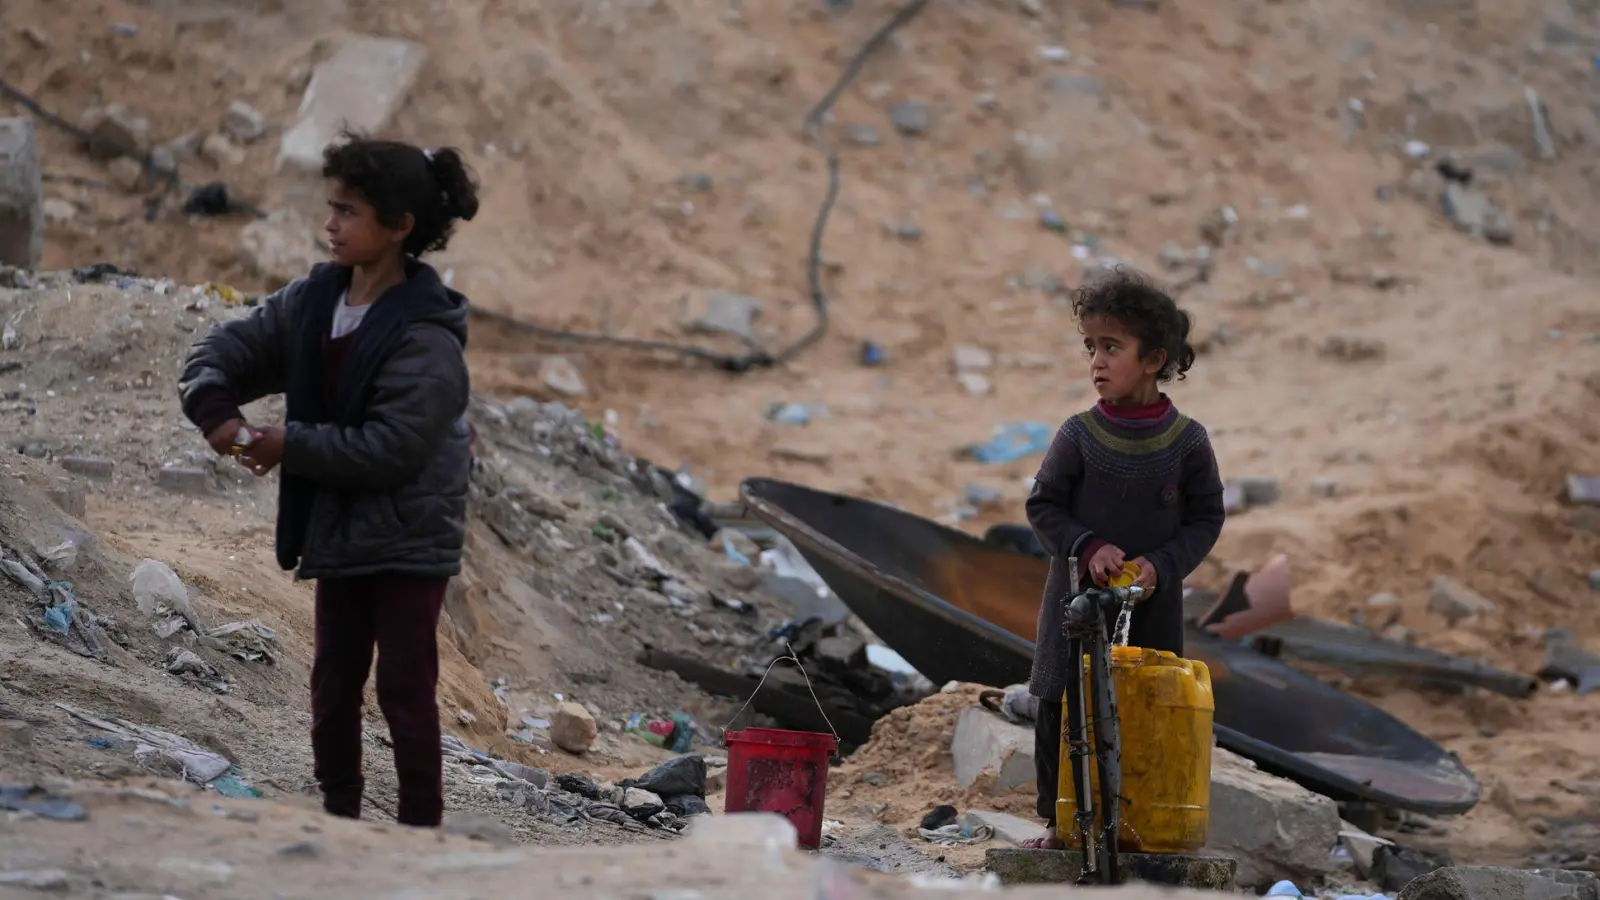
986,743
720,312
360,87
243,123
972,358
1275,828
1454,601
1473,212
21,195
572,728
221,151
560,377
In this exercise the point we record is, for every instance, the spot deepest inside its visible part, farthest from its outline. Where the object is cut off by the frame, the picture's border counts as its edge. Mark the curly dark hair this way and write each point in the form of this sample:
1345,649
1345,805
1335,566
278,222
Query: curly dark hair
1152,317
435,186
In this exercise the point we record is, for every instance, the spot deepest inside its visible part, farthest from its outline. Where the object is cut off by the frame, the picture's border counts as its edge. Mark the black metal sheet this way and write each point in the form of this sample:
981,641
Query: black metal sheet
961,610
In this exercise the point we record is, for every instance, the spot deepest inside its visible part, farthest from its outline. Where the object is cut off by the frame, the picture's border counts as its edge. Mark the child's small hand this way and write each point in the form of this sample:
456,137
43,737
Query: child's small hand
224,436
1147,575
1105,563
265,452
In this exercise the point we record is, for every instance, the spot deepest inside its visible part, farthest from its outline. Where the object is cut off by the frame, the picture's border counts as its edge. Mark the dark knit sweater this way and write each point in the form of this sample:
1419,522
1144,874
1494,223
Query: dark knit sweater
1143,480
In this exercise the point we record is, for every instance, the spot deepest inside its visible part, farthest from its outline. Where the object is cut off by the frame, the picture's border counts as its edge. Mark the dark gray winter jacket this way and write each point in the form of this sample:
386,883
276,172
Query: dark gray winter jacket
375,463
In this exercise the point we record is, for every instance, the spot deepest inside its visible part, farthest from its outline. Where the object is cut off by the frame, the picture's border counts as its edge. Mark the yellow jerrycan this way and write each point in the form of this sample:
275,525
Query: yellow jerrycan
1165,707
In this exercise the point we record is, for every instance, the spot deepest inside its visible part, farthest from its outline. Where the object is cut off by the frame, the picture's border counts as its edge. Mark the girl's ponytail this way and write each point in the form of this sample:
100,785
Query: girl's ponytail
460,191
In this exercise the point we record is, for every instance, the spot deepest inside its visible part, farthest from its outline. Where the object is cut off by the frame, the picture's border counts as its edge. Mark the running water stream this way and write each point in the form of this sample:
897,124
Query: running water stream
1119,638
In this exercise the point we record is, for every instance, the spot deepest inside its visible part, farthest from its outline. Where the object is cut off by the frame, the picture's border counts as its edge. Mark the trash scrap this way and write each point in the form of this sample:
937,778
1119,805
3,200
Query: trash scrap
39,802
676,733
160,592
1016,703
154,746
233,786
1011,443
965,830
248,641
1566,661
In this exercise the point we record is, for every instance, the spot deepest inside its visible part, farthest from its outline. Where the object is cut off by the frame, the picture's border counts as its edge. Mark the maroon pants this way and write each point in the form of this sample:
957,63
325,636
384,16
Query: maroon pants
400,616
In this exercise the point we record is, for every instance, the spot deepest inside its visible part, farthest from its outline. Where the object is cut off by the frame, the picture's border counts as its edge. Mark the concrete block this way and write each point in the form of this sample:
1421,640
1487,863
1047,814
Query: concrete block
986,743
21,195
361,86
1009,828
1275,828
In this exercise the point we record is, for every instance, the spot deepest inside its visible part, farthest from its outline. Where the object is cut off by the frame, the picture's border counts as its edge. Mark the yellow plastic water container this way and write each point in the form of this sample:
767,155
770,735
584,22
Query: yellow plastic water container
1165,707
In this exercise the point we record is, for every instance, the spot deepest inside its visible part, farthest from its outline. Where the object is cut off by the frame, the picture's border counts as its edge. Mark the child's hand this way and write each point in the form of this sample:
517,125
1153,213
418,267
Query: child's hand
265,452
1105,564
1147,576
223,437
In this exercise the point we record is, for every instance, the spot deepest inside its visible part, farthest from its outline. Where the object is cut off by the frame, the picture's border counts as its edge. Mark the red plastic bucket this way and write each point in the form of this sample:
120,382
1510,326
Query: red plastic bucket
783,772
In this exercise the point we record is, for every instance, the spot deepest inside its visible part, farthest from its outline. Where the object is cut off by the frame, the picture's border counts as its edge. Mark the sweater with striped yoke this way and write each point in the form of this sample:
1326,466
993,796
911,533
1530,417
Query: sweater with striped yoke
1142,479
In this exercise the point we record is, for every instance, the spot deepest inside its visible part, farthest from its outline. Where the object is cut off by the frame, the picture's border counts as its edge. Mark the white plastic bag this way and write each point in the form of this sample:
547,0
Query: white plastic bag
158,590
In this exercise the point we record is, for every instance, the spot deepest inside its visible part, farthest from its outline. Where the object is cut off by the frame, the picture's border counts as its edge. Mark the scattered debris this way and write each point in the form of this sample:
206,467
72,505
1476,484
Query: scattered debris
164,750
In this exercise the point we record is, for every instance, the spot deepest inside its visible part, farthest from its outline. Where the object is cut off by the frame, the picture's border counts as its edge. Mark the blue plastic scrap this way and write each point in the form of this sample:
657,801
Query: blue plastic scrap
58,618
1013,442
36,800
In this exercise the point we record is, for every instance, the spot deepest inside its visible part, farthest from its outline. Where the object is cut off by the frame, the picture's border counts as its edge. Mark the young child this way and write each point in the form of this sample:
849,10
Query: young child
1131,479
369,351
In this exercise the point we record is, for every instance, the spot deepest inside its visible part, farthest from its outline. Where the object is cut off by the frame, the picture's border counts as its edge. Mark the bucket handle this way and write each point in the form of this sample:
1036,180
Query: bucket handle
790,657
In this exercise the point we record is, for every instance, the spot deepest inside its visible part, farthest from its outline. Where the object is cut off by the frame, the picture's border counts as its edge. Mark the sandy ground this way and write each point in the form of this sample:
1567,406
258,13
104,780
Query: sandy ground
1446,433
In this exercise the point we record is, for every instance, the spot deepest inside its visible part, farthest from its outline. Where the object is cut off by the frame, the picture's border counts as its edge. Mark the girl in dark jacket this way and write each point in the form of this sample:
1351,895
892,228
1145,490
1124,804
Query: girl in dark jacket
369,353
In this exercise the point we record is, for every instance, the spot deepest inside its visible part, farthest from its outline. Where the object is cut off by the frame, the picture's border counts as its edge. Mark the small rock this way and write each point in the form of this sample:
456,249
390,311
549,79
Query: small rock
300,850
560,376
1455,601
1233,498
220,150
1473,212
1172,256
126,173
904,229
243,123
972,358
639,799
876,779
975,384
720,312
465,717
1324,487
572,728
1394,867
115,131
861,135
911,117
1594,580
36,37
58,211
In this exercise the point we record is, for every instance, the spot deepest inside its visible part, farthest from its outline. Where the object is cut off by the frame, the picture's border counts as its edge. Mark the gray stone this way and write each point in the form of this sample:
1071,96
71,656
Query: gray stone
1023,866
984,743
1490,883
1454,601
911,117
862,135
1583,489
720,312
360,86
971,358
1275,828
1076,85
21,195
1233,498
696,181
1594,580
1473,212
243,123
